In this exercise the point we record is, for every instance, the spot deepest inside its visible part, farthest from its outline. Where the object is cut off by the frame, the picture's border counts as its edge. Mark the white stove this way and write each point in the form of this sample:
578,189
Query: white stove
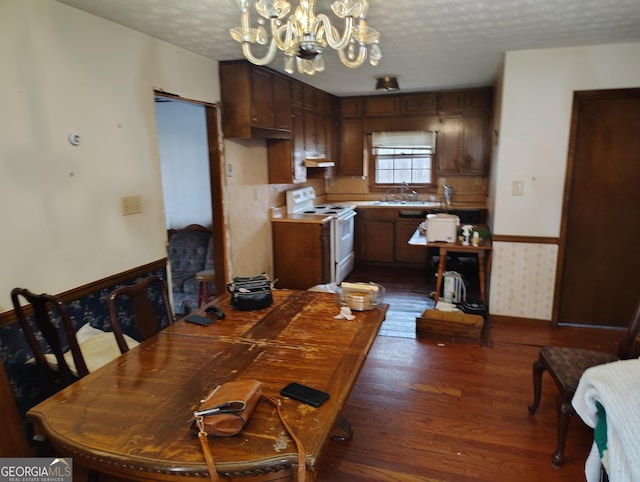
335,210
302,201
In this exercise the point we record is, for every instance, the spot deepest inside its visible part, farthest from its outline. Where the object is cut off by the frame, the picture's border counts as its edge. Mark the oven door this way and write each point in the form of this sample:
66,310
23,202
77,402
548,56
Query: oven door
344,267
344,237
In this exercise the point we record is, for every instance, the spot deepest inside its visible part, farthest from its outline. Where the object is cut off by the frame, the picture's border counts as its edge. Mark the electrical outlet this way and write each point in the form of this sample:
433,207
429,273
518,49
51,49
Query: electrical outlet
131,205
517,188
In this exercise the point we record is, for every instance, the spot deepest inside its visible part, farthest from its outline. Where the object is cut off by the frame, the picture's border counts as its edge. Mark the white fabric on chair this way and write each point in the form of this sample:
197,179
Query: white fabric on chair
98,348
616,386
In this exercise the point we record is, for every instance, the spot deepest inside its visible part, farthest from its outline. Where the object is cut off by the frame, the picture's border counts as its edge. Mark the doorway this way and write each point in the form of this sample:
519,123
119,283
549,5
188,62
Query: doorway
188,139
601,223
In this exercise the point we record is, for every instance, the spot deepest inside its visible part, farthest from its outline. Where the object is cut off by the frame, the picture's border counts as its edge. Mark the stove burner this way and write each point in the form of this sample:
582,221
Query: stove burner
334,207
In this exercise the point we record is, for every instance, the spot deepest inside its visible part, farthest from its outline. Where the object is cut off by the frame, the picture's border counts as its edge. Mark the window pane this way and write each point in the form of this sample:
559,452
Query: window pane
384,163
397,163
401,176
403,163
384,177
421,176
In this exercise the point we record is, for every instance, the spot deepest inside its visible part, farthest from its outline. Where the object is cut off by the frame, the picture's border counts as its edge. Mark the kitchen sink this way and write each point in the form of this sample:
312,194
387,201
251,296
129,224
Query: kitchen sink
420,204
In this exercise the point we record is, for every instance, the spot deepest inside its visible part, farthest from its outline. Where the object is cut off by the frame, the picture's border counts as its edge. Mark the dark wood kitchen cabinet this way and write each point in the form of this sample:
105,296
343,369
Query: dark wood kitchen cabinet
405,253
464,137
315,145
460,117
475,144
351,147
318,117
448,144
462,145
350,137
286,156
301,253
374,235
256,101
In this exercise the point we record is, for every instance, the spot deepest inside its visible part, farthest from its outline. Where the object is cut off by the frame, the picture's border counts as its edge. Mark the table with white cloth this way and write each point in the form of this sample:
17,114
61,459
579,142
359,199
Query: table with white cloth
608,400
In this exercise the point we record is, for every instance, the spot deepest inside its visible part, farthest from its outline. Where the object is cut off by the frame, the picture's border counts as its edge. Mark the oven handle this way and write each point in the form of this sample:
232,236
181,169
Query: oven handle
349,216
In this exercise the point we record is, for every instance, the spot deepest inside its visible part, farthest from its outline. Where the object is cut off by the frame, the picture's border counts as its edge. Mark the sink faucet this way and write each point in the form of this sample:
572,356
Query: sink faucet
402,193
403,189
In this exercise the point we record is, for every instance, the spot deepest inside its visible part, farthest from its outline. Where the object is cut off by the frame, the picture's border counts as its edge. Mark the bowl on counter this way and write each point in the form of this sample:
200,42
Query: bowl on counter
360,296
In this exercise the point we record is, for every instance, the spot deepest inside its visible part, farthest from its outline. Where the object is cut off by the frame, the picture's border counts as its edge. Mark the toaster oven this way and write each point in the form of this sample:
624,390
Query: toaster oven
442,228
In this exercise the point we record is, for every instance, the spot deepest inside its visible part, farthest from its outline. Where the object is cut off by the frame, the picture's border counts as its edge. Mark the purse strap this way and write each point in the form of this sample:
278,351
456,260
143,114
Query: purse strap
277,403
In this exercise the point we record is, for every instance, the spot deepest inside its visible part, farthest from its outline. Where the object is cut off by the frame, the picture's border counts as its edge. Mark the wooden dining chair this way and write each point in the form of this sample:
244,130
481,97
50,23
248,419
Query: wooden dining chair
566,365
44,336
144,306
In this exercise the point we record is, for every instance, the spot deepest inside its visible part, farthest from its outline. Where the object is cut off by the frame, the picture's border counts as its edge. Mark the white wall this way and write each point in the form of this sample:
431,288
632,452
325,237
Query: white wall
64,70
537,97
184,160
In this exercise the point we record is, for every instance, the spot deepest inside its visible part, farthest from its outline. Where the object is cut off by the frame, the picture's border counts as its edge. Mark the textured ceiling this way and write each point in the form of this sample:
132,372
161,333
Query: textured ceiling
427,44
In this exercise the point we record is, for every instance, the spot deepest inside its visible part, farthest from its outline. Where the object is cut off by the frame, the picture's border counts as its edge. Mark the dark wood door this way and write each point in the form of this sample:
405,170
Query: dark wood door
600,272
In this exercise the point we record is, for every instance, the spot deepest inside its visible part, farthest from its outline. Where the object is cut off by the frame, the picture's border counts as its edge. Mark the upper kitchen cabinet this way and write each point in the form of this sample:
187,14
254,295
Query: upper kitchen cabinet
351,137
316,111
286,156
451,102
448,144
312,137
420,104
463,139
256,101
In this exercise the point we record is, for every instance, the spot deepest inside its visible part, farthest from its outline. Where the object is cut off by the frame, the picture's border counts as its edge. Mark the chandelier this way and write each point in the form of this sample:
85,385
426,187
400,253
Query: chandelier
303,35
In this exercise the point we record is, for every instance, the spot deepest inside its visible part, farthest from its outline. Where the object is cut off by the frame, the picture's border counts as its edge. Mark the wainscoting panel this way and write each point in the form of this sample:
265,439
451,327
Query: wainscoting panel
522,279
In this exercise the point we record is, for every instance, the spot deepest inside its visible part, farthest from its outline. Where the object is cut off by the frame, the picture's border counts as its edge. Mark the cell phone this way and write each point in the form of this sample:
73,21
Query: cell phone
305,394
199,320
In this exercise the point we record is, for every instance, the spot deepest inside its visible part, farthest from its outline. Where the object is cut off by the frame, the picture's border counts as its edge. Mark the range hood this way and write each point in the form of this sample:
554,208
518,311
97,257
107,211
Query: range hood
318,162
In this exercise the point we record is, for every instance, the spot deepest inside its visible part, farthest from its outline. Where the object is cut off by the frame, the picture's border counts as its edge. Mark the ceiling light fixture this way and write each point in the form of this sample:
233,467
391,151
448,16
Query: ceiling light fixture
387,83
303,35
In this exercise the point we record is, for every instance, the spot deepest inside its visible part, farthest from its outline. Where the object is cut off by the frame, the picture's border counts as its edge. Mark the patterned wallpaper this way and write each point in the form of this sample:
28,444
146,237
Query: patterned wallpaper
522,279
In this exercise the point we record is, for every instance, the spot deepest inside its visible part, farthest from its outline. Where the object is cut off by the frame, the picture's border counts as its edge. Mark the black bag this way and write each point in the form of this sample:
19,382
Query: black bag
251,293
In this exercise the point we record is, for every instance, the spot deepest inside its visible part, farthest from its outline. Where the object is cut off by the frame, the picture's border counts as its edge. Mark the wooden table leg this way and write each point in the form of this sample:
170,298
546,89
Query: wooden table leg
482,276
342,430
441,265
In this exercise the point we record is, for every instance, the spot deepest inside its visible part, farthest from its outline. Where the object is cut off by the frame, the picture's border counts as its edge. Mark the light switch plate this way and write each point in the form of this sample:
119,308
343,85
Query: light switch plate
517,188
131,205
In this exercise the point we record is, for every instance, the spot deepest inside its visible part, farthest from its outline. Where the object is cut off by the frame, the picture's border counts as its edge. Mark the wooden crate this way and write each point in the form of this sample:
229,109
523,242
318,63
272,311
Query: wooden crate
450,326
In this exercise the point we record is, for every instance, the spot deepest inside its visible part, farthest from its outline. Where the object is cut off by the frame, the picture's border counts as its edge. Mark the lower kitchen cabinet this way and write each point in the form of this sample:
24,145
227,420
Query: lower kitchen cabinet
378,241
406,253
382,234
301,253
374,232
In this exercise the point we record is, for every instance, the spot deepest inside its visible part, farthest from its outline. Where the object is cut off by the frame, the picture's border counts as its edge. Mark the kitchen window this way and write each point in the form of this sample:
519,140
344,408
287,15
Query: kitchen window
402,158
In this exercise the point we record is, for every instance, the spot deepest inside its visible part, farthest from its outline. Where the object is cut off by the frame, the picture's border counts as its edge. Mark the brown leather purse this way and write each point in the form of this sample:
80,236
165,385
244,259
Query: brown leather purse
225,412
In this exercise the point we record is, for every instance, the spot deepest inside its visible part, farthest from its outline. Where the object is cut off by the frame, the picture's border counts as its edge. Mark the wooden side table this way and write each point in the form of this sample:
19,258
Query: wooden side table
483,250
204,278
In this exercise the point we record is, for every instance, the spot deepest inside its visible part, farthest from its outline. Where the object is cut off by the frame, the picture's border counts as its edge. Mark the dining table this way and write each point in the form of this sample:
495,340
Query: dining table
131,418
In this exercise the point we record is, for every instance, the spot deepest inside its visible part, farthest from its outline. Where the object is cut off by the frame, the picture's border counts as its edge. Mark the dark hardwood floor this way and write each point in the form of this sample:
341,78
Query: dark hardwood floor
428,411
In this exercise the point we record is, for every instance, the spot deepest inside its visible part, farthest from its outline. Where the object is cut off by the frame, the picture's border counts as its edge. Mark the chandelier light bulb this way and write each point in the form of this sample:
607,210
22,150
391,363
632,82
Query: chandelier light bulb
302,35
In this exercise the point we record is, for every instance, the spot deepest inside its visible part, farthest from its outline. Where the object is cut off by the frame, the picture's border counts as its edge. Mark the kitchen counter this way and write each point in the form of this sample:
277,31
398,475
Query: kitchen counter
414,204
280,215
